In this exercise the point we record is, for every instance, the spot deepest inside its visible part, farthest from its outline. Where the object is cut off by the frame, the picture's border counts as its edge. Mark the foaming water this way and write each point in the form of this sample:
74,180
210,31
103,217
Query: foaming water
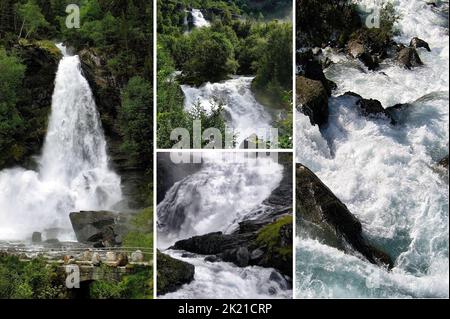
224,280
243,112
73,172
223,193
198,19
385,174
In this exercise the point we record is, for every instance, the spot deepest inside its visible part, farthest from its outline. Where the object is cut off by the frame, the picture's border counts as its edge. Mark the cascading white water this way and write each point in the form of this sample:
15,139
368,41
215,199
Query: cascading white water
73,172
198,19
224,281
244,114
228,189
385,174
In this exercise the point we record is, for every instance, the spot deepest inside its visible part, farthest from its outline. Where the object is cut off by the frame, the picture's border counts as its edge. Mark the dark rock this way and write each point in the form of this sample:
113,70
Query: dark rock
444,162
312,99
409,58
172,273
95,227
209,244
256,255
419,43
238,256
371,107
324,217
36,237
279,279
359,50
212,259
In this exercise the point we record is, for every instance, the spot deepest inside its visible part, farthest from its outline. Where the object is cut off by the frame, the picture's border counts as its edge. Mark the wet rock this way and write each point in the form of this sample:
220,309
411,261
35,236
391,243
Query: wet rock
409,58
172,273
36,237
419,43
279,279
371,107
137,256
95,227
209,244
444,162
312,99
212,259
256,255
357,49
325,218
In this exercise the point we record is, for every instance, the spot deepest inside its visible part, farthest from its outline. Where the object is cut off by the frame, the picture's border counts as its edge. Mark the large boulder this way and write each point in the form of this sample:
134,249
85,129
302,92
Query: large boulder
172,273
312,99
322,216
409,58
419,43
95,227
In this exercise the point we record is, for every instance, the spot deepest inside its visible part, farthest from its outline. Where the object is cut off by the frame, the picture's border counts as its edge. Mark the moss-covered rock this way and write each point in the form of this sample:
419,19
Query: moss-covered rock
172,273
276,240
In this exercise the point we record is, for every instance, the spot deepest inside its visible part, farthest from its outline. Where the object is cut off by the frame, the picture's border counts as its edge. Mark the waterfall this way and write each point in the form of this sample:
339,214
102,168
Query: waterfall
228,189
244,114
198,19
385,174
73,172
223,193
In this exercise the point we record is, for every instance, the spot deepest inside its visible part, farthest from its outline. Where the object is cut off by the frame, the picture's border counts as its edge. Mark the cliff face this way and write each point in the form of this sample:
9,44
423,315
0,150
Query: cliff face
106,89
41,60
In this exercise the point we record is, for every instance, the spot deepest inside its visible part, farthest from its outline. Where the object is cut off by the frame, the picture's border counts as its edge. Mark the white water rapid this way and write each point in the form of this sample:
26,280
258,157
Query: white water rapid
244,114
227,189
198,19
73,171
385,174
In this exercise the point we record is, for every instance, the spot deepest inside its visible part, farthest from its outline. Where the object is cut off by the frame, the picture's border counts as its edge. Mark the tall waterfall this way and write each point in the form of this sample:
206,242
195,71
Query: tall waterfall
73,169
244,114
385,174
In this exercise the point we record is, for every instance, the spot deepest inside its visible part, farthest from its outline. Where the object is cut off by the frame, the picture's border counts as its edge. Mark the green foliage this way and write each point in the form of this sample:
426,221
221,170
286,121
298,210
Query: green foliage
269,237
142,234
27,280
32,18
11,123
136,286
136,116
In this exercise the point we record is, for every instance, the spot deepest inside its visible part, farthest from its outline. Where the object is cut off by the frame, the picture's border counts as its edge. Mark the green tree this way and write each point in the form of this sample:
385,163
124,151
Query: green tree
32,18
11,124
211,57
136,117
